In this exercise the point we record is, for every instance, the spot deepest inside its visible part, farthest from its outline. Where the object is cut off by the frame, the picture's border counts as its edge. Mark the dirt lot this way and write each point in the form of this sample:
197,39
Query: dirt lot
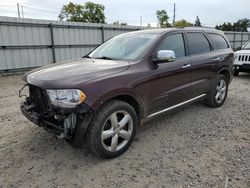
195,147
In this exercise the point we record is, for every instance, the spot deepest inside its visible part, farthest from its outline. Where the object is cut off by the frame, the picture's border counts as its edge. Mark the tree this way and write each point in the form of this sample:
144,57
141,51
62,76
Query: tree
162,18
240,25
119,23
197,22
182,23
123,23
225,27
89,12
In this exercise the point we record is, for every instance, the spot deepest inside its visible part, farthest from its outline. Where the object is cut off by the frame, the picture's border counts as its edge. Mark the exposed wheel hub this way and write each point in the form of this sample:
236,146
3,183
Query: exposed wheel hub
117,131
221,91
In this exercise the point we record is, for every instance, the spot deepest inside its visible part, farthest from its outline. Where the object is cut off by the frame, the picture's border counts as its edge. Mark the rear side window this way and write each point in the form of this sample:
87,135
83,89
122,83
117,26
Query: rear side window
218,41
197,43
174,42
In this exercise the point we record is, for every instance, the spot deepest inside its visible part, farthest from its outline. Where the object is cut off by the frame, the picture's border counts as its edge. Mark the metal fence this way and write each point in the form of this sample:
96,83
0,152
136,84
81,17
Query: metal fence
237,39
29,43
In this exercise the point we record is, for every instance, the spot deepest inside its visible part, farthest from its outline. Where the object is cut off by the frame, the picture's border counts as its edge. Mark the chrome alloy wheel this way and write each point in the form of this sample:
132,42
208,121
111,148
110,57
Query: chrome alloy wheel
117,131
221,91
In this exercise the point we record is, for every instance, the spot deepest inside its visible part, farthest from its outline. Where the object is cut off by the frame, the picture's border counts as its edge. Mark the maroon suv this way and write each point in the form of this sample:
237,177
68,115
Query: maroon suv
100,99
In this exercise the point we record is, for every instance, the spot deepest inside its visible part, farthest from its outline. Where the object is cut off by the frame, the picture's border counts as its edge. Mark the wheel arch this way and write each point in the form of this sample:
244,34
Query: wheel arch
226,73
124,96
130,100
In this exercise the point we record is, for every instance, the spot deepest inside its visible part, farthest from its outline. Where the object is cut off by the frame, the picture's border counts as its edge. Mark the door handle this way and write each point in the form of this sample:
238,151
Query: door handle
186,66
217,59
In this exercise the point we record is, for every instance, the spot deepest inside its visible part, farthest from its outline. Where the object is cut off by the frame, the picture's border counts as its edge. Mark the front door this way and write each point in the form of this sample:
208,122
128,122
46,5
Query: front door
170,82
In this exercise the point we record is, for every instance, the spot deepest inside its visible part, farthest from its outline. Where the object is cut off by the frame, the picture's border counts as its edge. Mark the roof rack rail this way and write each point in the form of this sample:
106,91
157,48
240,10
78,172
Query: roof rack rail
205,27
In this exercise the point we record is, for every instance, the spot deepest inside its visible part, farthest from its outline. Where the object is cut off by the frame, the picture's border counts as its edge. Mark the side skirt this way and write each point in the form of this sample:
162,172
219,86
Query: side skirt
176,106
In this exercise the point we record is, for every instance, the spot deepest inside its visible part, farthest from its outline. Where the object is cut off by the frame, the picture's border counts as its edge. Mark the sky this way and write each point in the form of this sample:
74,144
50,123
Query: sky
210,12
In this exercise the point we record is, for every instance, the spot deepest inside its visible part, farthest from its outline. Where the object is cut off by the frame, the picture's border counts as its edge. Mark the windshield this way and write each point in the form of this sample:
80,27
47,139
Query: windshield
124,47
247,46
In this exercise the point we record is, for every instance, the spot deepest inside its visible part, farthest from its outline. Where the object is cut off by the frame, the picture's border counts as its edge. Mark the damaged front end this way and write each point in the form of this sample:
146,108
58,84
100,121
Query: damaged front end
39,109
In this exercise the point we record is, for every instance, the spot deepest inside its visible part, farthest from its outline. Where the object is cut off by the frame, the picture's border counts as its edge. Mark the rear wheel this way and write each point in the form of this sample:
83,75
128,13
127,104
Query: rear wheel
236,73
112,130
219,91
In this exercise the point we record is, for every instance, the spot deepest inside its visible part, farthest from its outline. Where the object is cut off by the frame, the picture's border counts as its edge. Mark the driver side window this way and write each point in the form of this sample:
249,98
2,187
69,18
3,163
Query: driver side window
174,42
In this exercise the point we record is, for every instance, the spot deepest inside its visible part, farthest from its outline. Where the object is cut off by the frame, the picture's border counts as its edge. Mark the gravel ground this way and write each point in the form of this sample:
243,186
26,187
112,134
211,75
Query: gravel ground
195,147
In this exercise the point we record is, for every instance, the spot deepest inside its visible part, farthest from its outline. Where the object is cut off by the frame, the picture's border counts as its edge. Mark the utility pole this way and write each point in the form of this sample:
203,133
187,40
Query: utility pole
174,15
141,21
22,11
18,10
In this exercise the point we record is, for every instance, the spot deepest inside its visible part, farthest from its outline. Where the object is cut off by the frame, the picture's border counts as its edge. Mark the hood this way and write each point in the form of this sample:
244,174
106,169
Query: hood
242,52
71,74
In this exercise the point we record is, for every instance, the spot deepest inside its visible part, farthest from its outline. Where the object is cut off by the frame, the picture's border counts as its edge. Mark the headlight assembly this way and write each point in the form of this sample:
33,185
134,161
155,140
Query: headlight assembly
66,98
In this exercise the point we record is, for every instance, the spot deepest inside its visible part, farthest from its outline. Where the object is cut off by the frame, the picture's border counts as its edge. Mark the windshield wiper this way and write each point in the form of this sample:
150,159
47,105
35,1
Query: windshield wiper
105,57
86,56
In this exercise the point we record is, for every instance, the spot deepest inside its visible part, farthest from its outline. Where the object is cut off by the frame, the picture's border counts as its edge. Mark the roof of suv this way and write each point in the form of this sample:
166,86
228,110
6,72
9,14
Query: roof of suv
165,30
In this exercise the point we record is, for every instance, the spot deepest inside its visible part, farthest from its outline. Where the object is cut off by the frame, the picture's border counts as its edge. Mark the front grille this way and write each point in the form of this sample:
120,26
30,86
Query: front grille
244,58
39,99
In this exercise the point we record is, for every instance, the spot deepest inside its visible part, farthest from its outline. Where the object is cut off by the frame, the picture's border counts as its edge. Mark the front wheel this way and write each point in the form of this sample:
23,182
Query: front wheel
112,130
218,93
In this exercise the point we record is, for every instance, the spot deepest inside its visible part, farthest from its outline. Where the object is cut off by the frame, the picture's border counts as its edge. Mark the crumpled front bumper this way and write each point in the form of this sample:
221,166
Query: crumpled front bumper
53,120
38,109
41,120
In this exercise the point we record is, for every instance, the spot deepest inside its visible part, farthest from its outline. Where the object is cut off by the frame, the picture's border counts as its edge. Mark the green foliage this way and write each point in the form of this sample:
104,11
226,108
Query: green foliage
197,22
225,27
89,12
162,18
119,23
240,25
182,23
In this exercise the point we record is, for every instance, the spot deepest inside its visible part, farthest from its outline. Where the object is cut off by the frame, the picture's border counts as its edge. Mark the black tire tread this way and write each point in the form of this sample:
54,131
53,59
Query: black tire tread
91,141
210,101
77,140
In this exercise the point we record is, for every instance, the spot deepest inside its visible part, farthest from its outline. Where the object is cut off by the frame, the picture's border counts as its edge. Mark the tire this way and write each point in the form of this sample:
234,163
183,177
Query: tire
236,73
112,130
218,93
78,138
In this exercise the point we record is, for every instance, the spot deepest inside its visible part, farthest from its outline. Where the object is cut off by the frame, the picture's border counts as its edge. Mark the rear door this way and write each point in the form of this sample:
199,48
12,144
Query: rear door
170,82
203,62
223,53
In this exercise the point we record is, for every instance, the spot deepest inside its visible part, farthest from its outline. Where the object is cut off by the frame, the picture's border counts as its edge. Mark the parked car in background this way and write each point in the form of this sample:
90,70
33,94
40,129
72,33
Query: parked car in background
102,98
242,60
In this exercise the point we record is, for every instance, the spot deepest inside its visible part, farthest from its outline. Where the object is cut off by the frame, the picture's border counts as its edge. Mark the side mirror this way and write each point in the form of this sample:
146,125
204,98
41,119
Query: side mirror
164,56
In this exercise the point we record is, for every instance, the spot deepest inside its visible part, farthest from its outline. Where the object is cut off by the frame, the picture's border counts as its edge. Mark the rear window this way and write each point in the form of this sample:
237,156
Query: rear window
218,41
197,43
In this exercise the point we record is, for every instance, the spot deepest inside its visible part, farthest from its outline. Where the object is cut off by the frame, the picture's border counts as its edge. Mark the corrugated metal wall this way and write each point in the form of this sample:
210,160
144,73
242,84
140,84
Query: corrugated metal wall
237,39
28,43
